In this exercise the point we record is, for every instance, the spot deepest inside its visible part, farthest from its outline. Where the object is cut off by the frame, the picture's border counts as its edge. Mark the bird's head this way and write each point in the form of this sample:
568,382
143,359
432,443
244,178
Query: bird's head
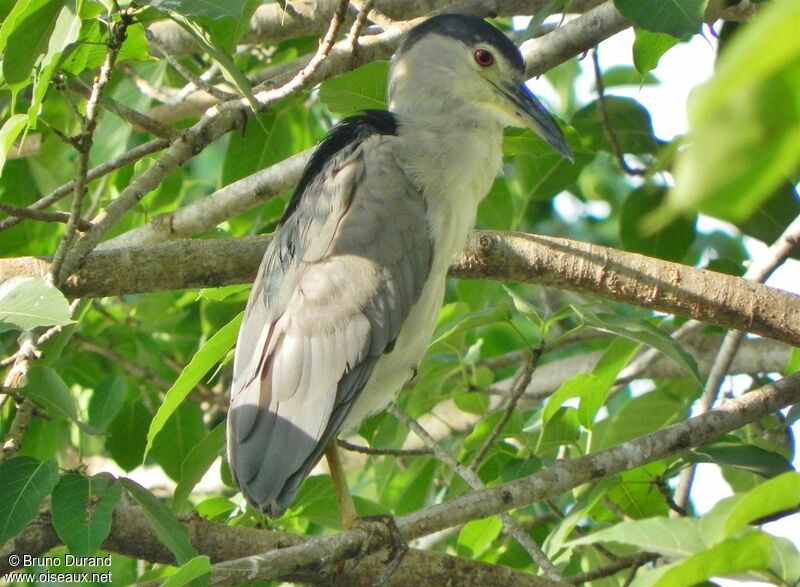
455,61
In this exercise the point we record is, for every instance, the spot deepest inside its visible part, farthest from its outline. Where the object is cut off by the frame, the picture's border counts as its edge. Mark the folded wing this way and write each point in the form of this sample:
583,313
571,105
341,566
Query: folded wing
335,286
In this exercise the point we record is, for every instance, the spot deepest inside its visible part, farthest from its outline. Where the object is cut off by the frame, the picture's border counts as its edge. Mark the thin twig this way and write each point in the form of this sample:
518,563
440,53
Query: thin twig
163,95
358,24
185,72
146,375
522,384
472,479
19,426
26,213
115,41
758,272
204,77
633,561
15,379
126,158
609,127
134,117
393,452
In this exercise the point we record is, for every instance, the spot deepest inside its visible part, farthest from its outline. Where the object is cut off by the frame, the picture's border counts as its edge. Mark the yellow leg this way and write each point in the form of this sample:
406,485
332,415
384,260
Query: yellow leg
343,497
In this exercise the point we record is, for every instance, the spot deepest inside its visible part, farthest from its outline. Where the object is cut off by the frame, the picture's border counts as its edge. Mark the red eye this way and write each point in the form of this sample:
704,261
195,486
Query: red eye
483,57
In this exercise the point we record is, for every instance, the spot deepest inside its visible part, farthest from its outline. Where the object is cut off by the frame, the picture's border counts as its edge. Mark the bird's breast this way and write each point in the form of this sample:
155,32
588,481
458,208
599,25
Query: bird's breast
453,178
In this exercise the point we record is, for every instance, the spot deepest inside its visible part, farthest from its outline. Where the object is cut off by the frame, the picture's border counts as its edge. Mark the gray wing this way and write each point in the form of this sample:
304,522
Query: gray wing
335,286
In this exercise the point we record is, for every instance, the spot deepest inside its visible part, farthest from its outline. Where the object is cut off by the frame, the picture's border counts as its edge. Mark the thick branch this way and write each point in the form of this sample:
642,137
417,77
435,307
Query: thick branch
132,535
712,297
707,296
567,474
272,23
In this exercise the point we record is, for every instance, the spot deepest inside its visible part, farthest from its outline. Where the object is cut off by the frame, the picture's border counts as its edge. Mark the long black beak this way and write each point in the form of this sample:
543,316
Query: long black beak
535,116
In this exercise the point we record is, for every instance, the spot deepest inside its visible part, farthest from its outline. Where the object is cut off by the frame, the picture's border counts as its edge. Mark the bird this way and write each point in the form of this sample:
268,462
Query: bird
347,295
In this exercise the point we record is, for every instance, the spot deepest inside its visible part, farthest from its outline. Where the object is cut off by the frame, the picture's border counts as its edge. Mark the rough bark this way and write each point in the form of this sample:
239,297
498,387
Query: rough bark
608,273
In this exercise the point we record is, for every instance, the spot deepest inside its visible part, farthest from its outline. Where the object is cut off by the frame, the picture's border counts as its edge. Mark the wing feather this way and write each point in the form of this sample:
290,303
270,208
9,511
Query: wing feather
334,288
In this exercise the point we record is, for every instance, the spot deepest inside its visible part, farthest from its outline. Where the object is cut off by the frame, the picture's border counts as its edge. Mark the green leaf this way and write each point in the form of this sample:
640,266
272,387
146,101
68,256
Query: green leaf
410,489
361,89
744,123
281,132
228,32
649,47
9,132
542,172
82,508
674,17
170,532
215,508
646,333
671,538
618,354
772,217
592,388
643,414
670,242
26,482
182,431
196,463
229,69
775,495
625,75
793,364
65,32
499,313
26,38
785,561
477,536
204,359
474,402
316,501
636,493
127,433
577,386
743,456
483,428
29,302
563,427
47,390
731,557
627,117
194,569
106,402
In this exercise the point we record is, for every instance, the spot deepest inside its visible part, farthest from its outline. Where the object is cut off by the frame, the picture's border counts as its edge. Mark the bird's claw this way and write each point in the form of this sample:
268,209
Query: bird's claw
377,528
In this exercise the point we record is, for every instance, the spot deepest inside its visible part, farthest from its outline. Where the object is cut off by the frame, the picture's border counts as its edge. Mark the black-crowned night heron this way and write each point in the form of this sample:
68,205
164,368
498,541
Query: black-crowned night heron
347,295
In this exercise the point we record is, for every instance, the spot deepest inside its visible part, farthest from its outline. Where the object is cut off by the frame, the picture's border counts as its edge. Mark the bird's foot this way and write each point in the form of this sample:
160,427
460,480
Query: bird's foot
382,528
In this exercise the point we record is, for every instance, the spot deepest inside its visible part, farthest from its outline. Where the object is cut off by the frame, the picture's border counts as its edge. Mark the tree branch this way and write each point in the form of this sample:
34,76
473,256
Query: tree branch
625,277
296,555
273,23
132,535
